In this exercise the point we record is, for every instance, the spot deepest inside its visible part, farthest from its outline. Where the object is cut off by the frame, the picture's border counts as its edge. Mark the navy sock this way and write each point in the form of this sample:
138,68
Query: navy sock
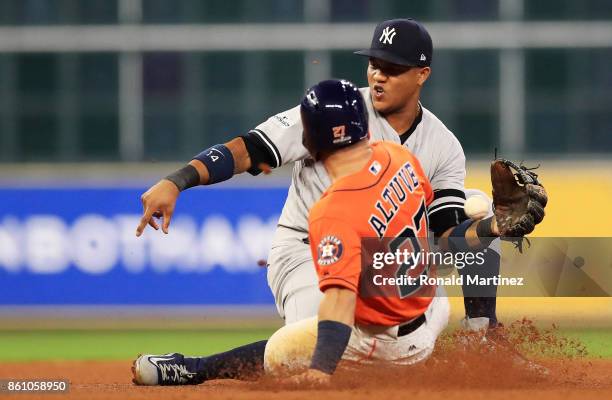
244,362
481,301
476,307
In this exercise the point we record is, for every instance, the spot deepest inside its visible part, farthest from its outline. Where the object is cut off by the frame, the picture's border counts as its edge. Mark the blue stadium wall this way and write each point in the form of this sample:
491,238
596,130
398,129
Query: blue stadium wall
78,246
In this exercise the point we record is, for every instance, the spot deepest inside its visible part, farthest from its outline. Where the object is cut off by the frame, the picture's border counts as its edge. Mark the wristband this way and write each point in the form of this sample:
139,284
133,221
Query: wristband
219,161
457,240
185,177
332,339
484,231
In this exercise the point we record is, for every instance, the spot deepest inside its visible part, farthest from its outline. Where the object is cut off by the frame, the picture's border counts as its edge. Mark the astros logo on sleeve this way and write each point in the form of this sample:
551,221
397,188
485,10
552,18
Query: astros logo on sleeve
329,250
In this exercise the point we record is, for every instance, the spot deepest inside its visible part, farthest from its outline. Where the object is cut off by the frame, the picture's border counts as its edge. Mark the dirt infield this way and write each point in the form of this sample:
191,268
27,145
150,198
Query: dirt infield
462,366
435,379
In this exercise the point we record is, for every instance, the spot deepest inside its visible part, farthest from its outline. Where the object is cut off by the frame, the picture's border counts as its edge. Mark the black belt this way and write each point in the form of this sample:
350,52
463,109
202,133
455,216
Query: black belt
411,326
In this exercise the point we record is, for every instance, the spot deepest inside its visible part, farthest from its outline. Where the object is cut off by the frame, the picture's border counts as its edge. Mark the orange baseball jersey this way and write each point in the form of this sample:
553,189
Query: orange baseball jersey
385,199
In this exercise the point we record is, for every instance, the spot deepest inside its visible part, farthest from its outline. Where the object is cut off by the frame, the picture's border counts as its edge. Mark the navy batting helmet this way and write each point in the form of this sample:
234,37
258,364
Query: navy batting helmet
333,116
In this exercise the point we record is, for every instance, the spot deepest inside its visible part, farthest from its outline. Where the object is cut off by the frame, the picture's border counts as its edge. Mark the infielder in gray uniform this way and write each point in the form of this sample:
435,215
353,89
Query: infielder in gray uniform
399,65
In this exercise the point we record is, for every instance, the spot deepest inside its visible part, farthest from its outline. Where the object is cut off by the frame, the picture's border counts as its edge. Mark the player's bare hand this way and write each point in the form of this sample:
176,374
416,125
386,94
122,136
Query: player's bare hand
312,377
158,202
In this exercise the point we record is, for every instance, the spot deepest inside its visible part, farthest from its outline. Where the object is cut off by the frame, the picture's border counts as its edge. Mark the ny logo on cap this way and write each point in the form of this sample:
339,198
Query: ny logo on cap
387,36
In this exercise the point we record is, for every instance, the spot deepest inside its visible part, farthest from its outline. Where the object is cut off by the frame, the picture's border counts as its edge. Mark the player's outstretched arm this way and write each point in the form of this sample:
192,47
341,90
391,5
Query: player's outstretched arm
336,319
518,203
477,233
239,154
215,164
338,304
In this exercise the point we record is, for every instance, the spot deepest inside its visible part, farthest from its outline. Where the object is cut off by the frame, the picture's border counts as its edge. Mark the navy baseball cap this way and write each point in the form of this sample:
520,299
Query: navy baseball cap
401,41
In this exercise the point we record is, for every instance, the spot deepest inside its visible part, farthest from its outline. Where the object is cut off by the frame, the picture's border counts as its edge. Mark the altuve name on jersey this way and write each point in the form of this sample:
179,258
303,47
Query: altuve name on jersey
392,196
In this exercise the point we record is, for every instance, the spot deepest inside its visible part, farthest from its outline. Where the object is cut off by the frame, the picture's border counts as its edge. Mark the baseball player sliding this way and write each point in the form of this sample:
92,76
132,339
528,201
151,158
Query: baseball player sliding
349,325
399,65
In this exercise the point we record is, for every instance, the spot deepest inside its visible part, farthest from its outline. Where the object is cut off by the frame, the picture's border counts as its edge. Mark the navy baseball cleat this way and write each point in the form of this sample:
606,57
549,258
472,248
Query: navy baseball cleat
166,369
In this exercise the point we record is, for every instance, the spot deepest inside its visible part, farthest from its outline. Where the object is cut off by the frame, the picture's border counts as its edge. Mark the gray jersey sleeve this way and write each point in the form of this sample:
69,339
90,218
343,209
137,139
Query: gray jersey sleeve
450,171
281,135
446,210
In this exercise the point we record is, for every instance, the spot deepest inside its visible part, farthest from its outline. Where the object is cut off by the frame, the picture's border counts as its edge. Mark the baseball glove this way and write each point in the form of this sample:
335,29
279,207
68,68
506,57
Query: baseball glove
518,198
